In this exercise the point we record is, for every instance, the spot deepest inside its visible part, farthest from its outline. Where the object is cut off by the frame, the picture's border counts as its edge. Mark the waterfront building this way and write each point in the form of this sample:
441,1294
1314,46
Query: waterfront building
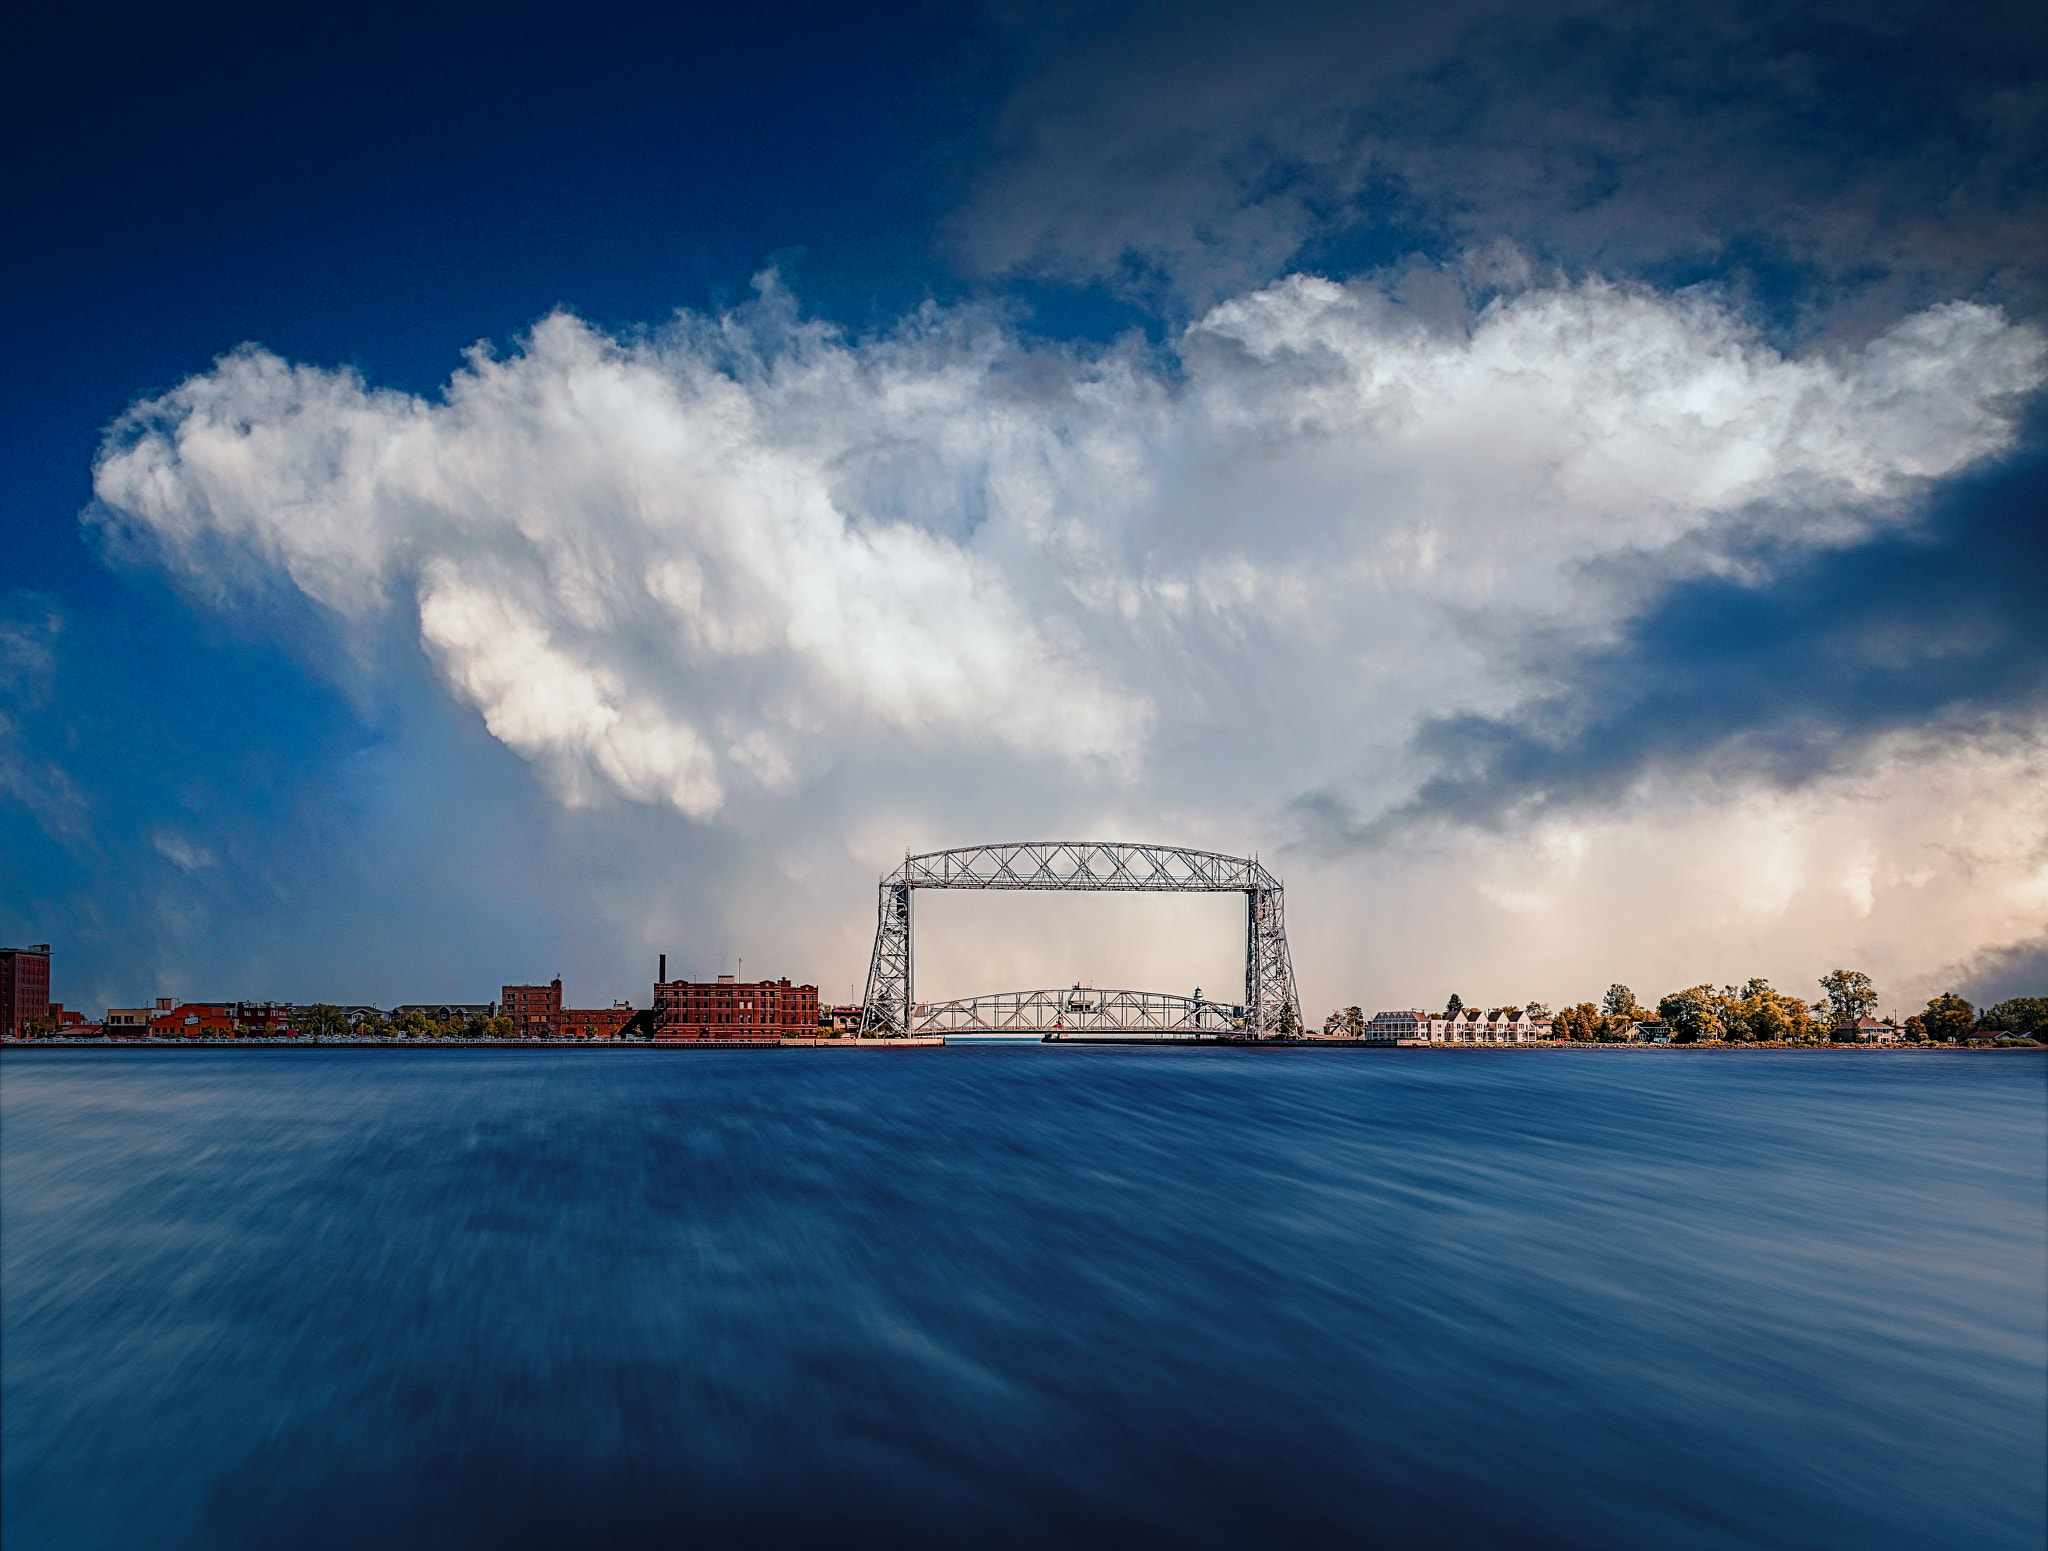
1873,1031
757,1011
597,1022
24,988
535,1011
1469,1026
194,1020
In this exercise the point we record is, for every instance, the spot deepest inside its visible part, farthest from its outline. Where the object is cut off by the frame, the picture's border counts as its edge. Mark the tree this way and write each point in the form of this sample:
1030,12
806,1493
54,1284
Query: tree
1345,1023
2018,1015
1755,1011
1537,1010
1620,1002
320,1021
1454,1006
1287,1025
1948,1016
1693,1014
1851,995
1580,1023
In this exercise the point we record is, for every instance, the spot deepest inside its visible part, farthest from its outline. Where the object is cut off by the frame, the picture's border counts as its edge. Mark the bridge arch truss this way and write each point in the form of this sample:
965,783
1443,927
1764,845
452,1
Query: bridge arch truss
1270,1000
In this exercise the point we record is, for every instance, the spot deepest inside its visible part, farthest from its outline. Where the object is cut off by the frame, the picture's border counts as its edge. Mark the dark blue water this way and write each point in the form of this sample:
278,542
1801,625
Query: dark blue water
1023,1296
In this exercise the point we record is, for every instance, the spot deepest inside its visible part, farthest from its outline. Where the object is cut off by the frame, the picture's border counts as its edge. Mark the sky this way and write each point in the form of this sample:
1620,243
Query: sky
489,493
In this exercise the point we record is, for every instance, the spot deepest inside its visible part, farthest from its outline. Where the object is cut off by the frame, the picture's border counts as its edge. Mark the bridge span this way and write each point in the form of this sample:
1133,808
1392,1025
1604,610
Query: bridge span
1079,1012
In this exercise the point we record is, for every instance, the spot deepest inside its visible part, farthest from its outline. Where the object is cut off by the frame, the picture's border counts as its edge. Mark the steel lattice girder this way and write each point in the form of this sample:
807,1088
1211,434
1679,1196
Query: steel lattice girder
1078,1010
1086,866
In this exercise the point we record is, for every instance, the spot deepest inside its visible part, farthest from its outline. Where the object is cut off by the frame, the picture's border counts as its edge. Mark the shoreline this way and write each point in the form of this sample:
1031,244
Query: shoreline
932,1041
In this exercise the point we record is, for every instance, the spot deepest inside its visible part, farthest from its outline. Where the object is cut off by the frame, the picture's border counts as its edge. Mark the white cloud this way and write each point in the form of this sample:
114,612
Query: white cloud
948,583
182,852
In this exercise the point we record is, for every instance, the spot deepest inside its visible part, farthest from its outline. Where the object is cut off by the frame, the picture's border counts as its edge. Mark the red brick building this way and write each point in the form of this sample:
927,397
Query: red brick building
24,988
757,1011
595,1022
194,1020
535,1011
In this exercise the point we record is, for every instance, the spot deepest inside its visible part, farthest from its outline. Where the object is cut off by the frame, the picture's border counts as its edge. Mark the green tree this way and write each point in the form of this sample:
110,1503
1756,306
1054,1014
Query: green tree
1354,1022
1620,1002
2018,1015
1948,1016
1851,995
1755,1011
320,1021
1286,1024
1454,1006
1577,1023
1693,1014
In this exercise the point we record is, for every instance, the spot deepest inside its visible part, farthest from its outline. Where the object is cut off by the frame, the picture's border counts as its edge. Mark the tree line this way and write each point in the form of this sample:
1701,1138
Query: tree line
1755,1012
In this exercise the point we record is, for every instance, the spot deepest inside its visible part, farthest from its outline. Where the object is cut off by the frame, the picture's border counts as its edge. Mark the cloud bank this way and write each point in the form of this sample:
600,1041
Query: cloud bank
1330,548
1844,163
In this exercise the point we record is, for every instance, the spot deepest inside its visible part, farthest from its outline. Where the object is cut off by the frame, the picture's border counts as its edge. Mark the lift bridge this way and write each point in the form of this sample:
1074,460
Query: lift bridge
1270,1007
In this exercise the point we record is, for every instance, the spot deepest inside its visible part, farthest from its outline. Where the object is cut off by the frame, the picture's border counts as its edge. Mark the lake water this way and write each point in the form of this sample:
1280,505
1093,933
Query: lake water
1023,1296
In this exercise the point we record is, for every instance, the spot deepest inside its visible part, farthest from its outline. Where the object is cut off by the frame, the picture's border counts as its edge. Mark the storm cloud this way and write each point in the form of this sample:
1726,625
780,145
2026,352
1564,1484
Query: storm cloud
760,572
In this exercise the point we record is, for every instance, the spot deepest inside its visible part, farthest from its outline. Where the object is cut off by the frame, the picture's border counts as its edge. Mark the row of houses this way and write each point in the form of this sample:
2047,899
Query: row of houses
1510,1027
1469,1026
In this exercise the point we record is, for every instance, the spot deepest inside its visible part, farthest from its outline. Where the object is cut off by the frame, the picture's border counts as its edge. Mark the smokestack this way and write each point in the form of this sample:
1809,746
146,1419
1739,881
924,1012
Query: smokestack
661,977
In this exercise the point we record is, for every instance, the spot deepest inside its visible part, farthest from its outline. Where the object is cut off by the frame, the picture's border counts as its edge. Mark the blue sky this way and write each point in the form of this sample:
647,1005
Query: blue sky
1530,459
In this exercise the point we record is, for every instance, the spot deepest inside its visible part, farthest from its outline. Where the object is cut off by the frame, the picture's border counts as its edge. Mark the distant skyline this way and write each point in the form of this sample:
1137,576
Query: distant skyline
496,493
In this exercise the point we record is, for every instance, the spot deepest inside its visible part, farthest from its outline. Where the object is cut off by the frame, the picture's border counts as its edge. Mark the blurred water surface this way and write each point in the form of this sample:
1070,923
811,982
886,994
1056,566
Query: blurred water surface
1022,1296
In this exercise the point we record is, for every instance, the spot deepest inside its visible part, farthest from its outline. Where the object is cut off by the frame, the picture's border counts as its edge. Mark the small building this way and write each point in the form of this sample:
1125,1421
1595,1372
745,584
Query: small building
1869,1031
725,1009
1652,1033
194,1020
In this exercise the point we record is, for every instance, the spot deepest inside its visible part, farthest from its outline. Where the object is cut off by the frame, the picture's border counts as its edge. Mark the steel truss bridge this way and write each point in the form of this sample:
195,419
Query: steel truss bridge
1079,1011
1270,1006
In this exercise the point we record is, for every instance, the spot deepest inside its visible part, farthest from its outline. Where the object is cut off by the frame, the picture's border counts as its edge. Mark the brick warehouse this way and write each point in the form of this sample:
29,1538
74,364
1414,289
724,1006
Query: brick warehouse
535,1011
24,988
755,1011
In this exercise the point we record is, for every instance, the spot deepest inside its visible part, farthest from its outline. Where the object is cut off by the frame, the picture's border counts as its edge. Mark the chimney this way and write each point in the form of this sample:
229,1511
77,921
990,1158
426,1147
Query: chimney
661,976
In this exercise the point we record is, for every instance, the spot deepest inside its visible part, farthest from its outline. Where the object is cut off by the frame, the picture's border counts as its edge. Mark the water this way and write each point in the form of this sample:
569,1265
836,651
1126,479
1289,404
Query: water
1023,1296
